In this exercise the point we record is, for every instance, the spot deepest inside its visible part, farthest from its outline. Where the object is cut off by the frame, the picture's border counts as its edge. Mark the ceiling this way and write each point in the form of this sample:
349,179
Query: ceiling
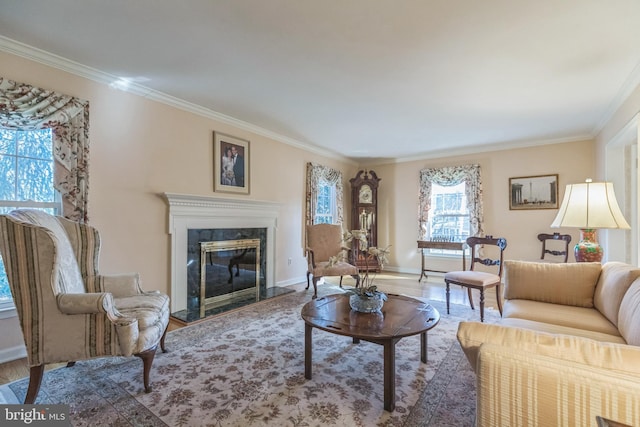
367,79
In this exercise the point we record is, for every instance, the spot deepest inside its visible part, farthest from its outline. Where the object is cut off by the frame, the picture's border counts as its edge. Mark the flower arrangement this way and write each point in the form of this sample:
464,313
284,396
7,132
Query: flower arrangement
366,289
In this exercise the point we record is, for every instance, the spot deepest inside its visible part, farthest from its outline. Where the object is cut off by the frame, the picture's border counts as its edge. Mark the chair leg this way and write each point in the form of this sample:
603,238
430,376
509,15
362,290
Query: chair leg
315,287
35,379
470,298
164,335
357,277
340,281
70,364
498,298
308,274
482,305
147,361
448,294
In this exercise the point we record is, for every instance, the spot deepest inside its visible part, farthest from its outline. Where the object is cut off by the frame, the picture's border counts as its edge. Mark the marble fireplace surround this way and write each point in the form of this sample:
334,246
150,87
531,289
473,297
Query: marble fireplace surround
210,212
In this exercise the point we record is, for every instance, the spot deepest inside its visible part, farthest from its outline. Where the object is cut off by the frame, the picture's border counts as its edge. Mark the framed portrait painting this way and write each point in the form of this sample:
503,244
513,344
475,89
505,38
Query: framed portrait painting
231,158
533,192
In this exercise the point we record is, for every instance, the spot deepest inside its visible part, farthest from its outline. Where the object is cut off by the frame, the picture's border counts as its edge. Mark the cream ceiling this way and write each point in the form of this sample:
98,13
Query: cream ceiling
367,79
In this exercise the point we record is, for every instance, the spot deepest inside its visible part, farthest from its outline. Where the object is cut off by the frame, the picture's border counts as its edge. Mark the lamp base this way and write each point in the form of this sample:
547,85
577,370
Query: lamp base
588,249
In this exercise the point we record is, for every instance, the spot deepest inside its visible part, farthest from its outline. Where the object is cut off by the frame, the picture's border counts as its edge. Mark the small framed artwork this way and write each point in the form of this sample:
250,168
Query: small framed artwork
231,157
533,192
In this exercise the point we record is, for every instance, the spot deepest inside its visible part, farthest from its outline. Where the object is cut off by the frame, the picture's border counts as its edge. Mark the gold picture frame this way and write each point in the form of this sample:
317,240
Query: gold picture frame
533,192
231,160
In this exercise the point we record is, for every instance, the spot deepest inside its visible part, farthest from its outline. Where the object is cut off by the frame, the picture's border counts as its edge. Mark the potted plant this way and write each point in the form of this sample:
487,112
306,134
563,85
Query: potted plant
366,298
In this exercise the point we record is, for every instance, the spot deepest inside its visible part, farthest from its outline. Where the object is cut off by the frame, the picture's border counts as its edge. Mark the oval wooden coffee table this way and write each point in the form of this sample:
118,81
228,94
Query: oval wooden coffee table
401,317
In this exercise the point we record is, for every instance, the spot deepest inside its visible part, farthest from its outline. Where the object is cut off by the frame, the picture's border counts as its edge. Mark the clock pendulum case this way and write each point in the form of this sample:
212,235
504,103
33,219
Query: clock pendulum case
364,209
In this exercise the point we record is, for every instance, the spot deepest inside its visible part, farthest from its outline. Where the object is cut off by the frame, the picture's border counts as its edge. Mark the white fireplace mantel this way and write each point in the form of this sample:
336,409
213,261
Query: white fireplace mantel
201,212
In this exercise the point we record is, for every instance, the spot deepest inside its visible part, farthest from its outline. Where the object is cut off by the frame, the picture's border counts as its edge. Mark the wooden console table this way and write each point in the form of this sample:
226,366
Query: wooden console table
427,244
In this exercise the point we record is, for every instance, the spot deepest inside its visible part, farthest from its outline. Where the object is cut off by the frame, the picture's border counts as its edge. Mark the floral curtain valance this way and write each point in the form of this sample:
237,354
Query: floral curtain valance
447,176
23,106
315,174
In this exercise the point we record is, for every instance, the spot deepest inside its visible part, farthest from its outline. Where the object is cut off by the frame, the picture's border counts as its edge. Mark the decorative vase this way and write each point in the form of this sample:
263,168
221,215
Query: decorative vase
588,249
366,304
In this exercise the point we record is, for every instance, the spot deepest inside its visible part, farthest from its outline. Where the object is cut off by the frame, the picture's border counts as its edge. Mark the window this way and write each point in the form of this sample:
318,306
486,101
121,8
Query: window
26,180
326,203
324,195
449,219
450,203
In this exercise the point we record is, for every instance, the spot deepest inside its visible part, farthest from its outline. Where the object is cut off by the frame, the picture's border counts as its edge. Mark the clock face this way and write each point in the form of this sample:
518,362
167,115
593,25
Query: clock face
365,196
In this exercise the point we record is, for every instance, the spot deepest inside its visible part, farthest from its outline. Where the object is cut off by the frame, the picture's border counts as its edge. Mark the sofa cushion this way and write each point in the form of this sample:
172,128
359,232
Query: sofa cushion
557,314
615,279
567,284
563,330
629,315
617,357
521,388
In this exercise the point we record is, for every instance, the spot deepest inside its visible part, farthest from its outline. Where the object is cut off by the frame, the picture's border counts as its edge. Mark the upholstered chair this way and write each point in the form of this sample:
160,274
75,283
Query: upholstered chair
67,310
323,242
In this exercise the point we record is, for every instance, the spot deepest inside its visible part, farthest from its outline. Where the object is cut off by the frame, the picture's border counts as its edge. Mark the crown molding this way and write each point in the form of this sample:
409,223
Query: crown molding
629,85
49,59
463,151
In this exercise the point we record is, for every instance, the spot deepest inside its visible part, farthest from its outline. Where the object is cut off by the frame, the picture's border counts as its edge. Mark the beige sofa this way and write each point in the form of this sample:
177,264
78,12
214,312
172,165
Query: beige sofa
566,351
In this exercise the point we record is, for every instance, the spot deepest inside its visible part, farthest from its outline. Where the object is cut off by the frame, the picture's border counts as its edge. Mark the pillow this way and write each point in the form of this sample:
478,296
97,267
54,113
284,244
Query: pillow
567,284
629,315
615,279
622,357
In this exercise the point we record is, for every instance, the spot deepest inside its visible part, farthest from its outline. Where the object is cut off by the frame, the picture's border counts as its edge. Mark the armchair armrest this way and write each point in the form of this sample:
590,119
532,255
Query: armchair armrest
120,285
87,304
310,257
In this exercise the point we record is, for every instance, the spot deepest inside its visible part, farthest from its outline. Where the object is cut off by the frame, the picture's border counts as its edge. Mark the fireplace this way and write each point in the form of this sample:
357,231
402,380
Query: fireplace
211,236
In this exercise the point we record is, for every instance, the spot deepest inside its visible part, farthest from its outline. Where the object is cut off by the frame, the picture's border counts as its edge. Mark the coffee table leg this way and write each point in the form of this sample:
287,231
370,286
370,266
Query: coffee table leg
307,351
389,375
423,347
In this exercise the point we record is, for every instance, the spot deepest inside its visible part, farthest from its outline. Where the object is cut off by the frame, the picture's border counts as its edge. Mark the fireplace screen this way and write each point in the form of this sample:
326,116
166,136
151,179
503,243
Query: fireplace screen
229,270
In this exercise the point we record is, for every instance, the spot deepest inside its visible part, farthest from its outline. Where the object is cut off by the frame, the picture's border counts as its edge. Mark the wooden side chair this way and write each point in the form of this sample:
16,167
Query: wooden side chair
481,280
323,242
544,238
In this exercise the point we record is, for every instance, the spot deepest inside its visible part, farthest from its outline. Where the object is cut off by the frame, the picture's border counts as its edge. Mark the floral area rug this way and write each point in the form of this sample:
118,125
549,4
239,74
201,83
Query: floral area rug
246,368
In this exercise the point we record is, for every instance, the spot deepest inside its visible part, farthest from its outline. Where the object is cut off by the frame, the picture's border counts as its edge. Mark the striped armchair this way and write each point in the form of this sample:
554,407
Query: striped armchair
67,310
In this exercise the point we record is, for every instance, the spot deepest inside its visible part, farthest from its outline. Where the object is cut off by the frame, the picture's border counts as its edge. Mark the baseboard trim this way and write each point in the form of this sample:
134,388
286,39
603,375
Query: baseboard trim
293,281
13,353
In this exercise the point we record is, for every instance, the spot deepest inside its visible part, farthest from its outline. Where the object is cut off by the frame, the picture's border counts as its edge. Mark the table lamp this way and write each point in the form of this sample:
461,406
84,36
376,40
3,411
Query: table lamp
589,206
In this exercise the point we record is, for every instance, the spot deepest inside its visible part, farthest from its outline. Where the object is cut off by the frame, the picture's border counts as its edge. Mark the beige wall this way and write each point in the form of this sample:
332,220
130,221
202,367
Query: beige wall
142,148
398,195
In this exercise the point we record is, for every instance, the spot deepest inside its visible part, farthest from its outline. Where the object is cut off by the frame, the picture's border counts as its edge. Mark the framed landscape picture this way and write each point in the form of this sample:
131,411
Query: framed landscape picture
231,158
533,192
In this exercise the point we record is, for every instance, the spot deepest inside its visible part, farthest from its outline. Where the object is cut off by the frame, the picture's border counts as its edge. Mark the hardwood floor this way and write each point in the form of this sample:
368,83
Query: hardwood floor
433,288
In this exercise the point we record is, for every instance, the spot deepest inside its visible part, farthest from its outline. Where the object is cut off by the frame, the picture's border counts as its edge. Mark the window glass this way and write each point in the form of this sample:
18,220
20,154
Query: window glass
449,215
26,180
326,203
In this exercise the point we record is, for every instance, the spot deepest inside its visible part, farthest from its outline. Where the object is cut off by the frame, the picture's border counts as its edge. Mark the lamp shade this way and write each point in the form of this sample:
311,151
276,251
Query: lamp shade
590,205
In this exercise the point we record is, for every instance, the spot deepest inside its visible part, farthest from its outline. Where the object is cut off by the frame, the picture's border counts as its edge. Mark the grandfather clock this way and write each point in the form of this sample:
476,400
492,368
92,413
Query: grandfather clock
364,209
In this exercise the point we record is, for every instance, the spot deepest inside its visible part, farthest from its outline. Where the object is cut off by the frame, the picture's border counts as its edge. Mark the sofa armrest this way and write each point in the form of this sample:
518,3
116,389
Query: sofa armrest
473,335
522,387
87,304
